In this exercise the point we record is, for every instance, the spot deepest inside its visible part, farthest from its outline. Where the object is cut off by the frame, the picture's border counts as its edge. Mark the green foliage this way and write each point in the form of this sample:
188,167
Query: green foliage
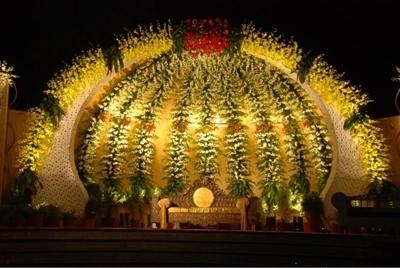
140,189
68,215
94,202
299,186
355,118
174,187
52,109
109,201
312,204
49,210
273,194
235,40
39,208
26,185
240,187
177,152
304,66
15,210
113,59
177,35
383,189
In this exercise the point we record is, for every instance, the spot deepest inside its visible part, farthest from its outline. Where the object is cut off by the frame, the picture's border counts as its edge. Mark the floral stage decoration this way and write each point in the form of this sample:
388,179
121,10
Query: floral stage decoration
211,71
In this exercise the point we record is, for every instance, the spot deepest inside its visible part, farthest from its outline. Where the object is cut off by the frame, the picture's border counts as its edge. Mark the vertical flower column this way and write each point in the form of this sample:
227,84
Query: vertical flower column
141,181
236,138
121,92
315,130
177,153
296,151
269,159
91,141
206,157
296,148
117,143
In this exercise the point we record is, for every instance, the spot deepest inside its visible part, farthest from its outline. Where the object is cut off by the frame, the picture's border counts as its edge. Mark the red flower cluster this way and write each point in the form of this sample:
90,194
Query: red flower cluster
106,116
234,128
181,126
206,36
126,121
149,127
305,124
263,127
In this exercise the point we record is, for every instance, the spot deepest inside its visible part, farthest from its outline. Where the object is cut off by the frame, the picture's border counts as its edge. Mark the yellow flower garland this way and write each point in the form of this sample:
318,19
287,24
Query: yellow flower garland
40,132
144,43
84,72
325,80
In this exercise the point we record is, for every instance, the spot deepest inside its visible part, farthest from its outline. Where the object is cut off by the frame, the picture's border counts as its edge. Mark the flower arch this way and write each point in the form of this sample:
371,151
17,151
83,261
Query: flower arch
261,89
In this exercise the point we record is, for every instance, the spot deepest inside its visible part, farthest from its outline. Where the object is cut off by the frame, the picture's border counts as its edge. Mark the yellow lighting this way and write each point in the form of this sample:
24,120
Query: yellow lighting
219,121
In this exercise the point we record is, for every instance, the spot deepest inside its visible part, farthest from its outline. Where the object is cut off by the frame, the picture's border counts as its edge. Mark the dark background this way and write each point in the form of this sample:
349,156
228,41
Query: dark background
359,38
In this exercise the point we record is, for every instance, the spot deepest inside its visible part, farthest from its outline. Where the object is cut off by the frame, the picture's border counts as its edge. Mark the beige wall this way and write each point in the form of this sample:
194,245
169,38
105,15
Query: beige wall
3,123
15,128
391,130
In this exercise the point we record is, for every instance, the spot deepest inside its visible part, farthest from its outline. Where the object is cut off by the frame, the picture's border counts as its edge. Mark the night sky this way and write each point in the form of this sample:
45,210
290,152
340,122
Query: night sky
359,38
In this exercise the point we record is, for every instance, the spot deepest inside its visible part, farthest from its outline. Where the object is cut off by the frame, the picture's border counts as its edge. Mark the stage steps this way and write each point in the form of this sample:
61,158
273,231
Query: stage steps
149,247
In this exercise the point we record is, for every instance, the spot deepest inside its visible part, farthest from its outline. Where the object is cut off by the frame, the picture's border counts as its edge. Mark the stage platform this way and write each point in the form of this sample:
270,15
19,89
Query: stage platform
150,247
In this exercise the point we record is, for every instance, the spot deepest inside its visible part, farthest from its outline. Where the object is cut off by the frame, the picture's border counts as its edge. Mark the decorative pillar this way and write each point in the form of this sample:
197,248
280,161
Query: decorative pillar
3,131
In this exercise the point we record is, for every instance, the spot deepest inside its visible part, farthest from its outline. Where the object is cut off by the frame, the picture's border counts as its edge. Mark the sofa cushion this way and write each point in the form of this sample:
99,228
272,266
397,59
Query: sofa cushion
203,210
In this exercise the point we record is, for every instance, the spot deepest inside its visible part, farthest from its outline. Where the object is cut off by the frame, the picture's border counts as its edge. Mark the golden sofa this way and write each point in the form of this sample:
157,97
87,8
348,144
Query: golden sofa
203,203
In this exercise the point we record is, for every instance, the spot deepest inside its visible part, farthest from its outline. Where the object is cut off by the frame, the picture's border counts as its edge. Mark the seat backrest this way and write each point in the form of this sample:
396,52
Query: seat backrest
220,199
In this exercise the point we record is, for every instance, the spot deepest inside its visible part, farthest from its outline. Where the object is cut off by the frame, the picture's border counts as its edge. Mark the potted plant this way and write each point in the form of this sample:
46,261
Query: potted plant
37,218
93,205
313,209
90,213
15,215
69,219
52,215
274,203
282,223
283,211
108,205
11,216
14,210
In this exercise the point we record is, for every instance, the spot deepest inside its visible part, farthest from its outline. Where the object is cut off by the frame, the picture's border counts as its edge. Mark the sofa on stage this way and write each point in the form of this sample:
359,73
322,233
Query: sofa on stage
204,203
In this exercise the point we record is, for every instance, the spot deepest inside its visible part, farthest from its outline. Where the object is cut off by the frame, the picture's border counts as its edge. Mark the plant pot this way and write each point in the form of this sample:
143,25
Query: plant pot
297,224
89,222
37,220
136,223
313,225
270,223
336,228
125,220
281,226
70,222
108,222
15,221
54,221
